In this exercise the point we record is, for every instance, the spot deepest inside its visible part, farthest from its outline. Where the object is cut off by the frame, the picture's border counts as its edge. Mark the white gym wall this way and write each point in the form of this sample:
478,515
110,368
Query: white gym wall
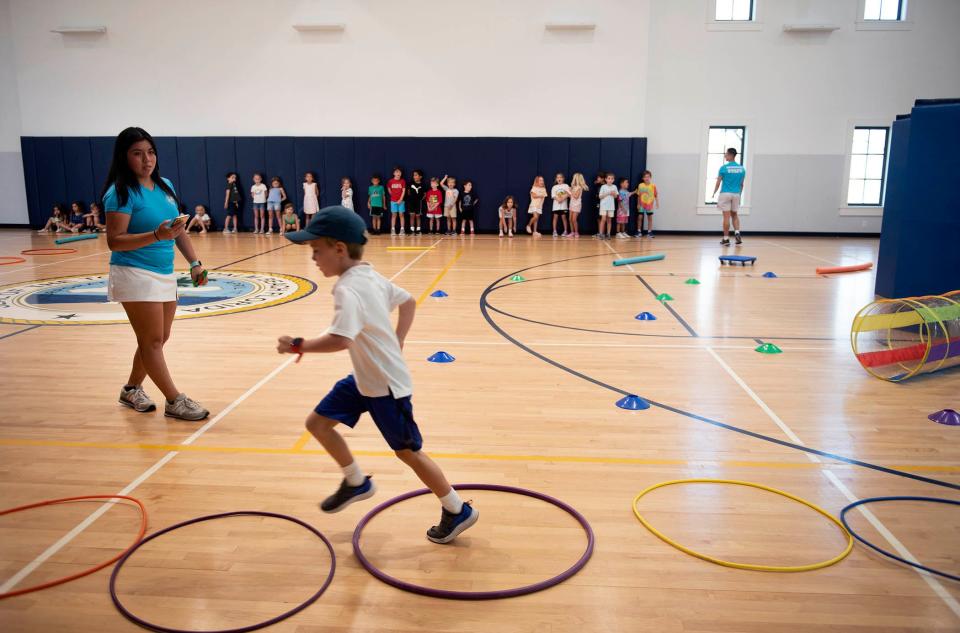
650,68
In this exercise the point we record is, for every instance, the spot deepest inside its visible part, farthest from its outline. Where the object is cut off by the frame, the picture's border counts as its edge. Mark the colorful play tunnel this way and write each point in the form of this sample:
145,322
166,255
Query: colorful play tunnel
895,339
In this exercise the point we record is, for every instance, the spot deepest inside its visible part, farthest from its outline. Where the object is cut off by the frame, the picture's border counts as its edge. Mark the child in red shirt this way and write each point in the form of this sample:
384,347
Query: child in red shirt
434,200
397,189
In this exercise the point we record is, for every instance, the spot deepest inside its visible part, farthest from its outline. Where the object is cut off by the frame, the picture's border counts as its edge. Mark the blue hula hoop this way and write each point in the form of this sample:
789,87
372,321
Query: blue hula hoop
843,518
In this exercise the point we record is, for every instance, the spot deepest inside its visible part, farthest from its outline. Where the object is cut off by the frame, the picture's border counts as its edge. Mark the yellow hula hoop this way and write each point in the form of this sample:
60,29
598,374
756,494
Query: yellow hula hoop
726,563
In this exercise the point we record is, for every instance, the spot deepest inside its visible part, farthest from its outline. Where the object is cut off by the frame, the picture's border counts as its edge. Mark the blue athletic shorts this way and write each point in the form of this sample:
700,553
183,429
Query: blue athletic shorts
397,207
393,416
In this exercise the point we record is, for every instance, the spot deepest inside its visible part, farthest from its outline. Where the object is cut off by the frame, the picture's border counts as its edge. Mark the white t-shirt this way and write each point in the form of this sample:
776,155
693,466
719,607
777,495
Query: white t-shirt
610,202
363,300
560,205
259,193
346,198
204,217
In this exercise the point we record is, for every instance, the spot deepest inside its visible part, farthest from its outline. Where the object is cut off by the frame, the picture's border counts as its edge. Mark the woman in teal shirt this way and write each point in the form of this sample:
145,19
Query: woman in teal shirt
141,208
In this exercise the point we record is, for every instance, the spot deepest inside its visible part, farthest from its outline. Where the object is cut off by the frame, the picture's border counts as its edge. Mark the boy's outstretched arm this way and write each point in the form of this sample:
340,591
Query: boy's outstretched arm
406,311
323,344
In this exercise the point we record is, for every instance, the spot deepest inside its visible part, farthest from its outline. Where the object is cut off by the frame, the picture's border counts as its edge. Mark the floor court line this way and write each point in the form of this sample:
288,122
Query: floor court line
934,584
298,449
61,261
793,250
83,525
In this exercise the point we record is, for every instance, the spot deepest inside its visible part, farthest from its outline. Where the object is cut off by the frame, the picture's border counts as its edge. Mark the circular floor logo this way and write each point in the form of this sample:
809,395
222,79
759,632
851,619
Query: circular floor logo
82,299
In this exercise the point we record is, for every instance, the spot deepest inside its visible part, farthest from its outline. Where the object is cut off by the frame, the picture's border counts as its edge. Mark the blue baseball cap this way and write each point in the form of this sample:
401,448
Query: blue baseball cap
337,222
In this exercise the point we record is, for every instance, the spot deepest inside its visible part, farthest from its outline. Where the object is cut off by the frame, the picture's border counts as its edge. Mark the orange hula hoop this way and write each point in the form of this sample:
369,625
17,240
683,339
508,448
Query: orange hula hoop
86,572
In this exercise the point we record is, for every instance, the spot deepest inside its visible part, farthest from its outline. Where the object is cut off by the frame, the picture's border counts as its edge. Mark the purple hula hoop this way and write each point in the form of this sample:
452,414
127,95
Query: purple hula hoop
155,627
474,595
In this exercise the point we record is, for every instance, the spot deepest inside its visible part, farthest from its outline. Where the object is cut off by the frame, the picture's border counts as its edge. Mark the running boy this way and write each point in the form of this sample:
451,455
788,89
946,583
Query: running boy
730,183
380,384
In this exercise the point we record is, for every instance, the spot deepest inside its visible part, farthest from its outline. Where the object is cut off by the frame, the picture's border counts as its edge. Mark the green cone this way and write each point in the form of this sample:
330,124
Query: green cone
692,282
517,278
768,348
664,297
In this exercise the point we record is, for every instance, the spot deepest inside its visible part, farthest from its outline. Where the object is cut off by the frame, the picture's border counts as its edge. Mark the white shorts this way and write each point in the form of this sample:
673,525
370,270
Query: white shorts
535,211
729,202
606,212
127,283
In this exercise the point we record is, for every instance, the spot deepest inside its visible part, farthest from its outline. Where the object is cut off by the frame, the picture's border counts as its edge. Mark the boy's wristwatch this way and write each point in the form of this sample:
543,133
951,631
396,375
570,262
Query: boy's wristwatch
295,346
195,264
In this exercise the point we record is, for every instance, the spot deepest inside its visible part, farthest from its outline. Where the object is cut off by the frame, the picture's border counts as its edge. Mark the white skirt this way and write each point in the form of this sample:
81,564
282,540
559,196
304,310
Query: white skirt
127,283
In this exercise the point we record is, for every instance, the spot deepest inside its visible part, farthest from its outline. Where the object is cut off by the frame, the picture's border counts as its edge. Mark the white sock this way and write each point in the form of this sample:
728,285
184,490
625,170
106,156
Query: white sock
452,502
353,475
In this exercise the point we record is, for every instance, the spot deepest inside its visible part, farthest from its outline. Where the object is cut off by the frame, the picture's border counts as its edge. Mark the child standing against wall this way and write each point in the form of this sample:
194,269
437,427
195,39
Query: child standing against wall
397,189
275,198
258,194
375,199
346,193
538,192
434,202
576,203
560,193
648,199
468,207
415,193
231,202
608,202
450,197
311,196
623,209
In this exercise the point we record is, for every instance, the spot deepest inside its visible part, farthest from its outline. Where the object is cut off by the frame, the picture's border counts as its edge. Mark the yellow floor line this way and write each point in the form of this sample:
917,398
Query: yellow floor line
581,459
409,248
302,441
437,279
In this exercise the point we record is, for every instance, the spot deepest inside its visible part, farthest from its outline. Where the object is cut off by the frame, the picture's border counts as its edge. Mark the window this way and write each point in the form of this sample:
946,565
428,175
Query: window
892,10
734,10
868,166
719,139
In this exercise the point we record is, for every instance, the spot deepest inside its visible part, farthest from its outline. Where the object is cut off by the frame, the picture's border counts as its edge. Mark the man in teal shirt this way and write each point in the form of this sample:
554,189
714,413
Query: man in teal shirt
730,183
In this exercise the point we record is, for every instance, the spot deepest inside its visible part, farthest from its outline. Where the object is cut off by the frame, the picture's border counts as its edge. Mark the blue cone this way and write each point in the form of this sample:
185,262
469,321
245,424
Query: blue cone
441,357
645,316
770,275
438,294
633,403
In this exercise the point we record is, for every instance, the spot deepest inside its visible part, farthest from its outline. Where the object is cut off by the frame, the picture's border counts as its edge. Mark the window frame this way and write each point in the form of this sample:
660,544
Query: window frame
863,209
902,23
746,159
753,24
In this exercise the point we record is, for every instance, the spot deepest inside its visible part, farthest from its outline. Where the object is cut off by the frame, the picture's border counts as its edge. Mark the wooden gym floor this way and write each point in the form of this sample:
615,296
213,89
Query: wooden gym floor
500,414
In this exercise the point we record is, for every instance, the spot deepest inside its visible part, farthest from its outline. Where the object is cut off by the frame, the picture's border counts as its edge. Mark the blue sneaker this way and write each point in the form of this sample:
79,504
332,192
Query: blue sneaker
346,494
451,525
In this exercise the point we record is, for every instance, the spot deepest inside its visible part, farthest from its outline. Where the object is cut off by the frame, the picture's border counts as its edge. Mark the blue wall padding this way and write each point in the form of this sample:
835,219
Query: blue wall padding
74,168
919,252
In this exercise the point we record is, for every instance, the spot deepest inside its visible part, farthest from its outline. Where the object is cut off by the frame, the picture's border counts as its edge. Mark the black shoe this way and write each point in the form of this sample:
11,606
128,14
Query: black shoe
451,525
737,238
724,242
346,494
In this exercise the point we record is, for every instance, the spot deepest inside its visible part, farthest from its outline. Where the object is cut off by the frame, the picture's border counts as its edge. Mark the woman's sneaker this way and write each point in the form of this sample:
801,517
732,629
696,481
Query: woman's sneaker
347,494
183,408
136,399
451,525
